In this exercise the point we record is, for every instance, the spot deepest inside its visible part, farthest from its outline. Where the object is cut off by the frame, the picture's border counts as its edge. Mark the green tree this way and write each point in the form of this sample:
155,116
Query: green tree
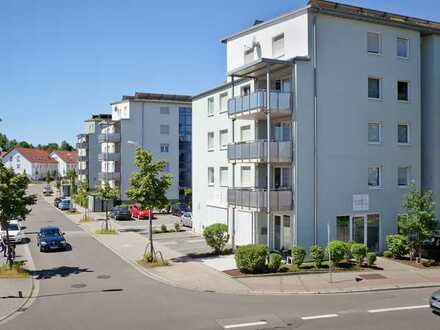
216,236
66,146
82,196
4,142
419,220
148,186
106,193
14,200
58,185
48,178
71,175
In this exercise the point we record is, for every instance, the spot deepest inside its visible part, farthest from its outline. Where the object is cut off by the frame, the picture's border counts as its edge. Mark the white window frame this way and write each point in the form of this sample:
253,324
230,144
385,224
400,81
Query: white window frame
408,177
246,184
164,131
164,147
223,107
408,133
164,110
380,132
223,181
210,102
380,186
408,91
380,98
380,43
277,38
407,47
223,146
211,148
211,176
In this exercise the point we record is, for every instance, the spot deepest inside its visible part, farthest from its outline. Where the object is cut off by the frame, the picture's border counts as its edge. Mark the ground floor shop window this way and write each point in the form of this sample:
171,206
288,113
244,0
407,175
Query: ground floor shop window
364,229
343,228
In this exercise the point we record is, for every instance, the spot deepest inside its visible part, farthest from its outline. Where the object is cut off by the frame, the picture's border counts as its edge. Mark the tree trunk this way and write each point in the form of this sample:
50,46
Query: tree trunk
8,242
151,236
106,215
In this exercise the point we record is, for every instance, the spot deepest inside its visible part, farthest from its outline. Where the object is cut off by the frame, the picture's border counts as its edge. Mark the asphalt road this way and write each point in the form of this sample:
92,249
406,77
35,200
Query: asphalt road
91,288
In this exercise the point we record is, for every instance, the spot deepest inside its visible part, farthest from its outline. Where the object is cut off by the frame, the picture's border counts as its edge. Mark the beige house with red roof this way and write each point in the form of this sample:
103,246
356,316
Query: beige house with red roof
36,163
67,160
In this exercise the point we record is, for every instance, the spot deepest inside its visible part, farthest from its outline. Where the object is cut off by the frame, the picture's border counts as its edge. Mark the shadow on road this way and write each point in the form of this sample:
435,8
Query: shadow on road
63,271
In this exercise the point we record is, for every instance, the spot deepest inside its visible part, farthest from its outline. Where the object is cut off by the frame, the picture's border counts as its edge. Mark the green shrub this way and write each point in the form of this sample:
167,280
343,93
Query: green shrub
348,246
251,258
298,255
397,245
428,262
177,227
163,228
318,254
371,258
359,252
337,251
274,262
387,254
216,236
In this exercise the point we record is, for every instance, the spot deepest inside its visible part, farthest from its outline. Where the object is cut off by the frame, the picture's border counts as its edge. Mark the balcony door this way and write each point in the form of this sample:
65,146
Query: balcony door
281,177
282,131
282,232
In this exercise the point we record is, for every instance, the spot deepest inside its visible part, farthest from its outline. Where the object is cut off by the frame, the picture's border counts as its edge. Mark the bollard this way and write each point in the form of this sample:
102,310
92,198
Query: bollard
20,294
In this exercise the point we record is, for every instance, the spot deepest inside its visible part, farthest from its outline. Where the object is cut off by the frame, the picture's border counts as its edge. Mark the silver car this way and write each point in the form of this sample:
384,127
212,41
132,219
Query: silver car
434,302
186,219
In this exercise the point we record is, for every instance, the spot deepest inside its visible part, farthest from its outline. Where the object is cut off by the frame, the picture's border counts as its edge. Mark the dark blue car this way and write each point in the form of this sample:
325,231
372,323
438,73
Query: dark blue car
50,238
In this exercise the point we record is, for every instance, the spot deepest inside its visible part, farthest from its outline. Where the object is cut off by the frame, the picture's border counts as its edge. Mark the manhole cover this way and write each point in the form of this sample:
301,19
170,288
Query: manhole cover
103,277
372,277
79,286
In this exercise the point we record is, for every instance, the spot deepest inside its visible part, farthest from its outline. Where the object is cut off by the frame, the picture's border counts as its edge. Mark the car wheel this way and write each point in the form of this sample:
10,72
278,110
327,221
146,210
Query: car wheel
41,249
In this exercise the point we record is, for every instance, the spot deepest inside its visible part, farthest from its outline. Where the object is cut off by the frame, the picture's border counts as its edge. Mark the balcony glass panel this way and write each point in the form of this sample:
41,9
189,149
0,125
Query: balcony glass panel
279,102
252,198
281,151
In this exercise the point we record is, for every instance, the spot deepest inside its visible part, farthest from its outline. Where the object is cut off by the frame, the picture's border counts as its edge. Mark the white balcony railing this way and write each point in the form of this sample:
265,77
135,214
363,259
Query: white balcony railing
111,156
256,199
109,137
256,151
280,102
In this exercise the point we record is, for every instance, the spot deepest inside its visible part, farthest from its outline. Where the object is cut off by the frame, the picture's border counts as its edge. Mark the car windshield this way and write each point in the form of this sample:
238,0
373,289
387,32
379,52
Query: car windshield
13,226
123,208
187,214
50,232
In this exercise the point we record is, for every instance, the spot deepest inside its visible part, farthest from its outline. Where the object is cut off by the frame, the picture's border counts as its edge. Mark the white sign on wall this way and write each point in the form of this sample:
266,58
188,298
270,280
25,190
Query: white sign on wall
361,202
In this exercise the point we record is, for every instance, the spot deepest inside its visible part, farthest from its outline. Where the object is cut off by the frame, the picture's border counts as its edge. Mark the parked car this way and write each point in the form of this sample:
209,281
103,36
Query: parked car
179,208
15,232
64,205
186,219
120,213
47,191
51,238
56,201
434,301
137,213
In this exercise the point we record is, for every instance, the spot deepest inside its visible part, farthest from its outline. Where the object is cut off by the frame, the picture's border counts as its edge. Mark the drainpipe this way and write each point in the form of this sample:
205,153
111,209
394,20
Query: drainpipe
268,122
233,172
315,135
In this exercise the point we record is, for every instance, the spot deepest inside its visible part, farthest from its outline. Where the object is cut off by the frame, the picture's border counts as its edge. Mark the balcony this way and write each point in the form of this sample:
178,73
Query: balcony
82,158
256,151
109,137
256,199
112,156
83,172
82,145
103,176
253,106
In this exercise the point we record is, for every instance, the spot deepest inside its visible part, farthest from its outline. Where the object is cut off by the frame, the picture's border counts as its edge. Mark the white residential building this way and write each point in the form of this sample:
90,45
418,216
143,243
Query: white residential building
159,123
35,163
340,141
67,160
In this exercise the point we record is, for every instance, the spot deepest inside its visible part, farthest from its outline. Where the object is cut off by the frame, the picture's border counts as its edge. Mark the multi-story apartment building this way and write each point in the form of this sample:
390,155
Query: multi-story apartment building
159,123
88,148
317,132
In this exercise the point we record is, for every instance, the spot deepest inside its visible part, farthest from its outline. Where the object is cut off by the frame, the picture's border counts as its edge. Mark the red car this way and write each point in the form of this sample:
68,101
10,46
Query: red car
137,213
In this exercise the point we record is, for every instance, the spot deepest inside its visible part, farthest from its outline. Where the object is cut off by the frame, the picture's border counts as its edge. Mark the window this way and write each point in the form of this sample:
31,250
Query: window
210,176
211,106
245,90
223,137
374,133
374,88
373,43
402,47
278,46
281,177
245,176
245,133
375,177
343,228
403,134
223,176
164,147
223,102
210,141
248,55
164,129
403,176
402,91
164,110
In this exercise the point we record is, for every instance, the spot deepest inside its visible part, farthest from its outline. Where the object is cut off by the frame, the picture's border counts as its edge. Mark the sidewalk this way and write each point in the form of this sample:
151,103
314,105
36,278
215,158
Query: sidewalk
206,274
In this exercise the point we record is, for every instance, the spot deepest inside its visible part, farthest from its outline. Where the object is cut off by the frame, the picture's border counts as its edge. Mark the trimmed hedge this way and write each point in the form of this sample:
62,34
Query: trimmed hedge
397,245
387,254
318,254
251,259
298,255
359,252
371,258
274,262
337,250
216,236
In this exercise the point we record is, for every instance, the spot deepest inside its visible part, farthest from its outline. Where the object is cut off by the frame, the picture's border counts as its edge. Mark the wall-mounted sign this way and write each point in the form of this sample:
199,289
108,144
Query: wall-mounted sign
361,202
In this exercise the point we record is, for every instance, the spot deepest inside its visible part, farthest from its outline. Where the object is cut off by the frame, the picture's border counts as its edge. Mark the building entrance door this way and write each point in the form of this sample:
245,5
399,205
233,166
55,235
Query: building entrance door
277,232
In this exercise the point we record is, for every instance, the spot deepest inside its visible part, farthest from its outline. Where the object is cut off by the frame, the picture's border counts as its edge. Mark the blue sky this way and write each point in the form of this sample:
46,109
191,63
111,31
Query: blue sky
62,60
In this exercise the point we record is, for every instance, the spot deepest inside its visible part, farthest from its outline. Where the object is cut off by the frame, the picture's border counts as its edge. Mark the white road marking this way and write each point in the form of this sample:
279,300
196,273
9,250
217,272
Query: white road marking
397,309
243,325
324,316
